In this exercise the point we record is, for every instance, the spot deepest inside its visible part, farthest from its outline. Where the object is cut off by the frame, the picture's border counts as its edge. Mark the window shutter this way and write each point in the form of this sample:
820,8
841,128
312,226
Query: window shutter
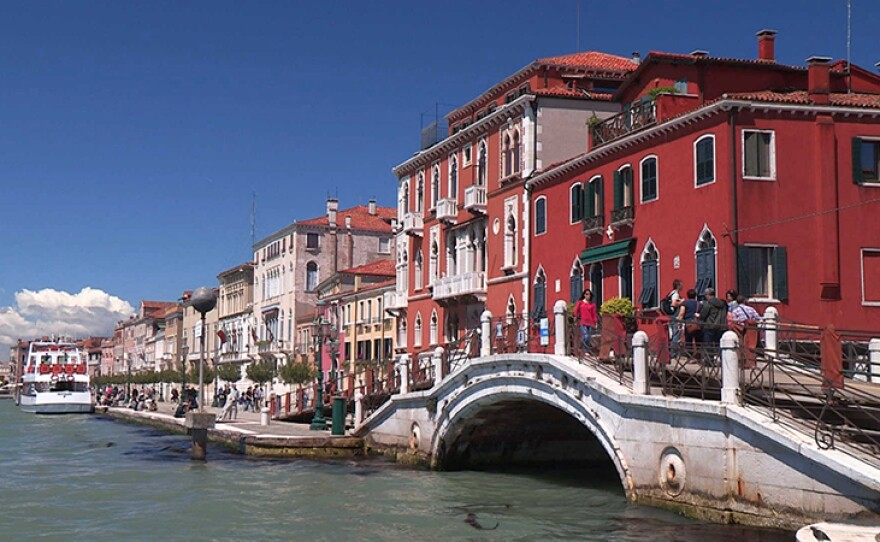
577,203
780,273
577,288
600,197
539,311
751,154
742,271
590,200
618,190
858,178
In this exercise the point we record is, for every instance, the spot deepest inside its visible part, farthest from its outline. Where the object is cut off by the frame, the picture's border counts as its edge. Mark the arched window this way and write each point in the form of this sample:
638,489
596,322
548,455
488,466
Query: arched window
577,281
625,272
576,202
453,177
419,274
704,160
433,263
649,179
593,203
452,327
516,152
417,331
433,329
510,240
420,192
623,190
311,276
596,279
401,333
705,260
482,164
435,186
403,200
650,298
539,307
541,215
511,309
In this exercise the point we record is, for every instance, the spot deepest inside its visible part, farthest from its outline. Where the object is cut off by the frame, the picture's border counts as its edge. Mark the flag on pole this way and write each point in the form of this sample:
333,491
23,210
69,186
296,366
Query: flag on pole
254,334
222,335
271,335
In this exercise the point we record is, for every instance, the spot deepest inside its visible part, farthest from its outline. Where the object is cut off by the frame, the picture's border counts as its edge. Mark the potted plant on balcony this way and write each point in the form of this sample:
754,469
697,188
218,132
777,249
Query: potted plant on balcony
617,320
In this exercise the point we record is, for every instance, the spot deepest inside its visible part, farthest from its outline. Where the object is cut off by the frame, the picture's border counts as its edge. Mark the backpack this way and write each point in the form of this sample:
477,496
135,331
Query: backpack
666,305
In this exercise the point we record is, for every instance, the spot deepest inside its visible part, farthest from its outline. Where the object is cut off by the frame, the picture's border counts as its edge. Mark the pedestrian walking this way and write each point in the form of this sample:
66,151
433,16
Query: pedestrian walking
587,317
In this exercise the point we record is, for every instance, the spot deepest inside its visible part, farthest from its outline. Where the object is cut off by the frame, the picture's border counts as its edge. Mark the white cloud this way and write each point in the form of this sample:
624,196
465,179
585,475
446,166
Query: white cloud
90,312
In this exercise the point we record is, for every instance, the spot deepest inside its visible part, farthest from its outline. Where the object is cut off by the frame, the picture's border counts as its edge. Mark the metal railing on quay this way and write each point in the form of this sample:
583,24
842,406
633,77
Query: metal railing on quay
421,373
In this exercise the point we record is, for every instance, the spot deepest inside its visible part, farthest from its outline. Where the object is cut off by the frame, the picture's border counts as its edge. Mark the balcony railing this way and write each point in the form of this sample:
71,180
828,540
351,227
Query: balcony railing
413,224
594,224
623,216
475,199
459,285
640,115
394,300
447,210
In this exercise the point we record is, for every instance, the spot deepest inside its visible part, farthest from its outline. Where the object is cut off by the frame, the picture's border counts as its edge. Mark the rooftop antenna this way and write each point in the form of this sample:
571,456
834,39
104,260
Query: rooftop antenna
577,30
253,219
848,46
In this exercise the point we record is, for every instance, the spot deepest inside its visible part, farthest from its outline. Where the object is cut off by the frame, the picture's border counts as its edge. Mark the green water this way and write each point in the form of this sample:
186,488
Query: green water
80,477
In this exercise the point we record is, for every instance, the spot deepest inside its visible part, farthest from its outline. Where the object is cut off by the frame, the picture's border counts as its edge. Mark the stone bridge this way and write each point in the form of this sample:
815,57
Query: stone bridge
718,460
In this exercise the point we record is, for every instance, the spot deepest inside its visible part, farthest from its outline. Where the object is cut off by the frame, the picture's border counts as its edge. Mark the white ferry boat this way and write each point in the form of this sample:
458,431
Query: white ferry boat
55,379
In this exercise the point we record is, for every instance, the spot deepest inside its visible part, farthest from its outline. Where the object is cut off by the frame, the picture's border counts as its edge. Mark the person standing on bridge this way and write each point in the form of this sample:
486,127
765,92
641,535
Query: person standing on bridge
587,317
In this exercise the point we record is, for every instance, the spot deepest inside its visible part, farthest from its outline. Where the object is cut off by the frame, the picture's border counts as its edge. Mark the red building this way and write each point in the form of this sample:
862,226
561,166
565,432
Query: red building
463,244
725,173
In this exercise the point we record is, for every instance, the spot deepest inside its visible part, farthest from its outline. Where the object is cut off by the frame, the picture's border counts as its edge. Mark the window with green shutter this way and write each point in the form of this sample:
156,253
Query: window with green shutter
623,179
758,159
577,202
762,272
540,216
649,179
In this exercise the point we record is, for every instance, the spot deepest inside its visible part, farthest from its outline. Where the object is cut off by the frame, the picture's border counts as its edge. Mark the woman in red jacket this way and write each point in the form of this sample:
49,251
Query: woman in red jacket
586,315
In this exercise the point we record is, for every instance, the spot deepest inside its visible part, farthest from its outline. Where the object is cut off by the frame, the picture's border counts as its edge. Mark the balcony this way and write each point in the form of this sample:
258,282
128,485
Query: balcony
623,216
413,224
475,199
447,210
639,115
594,224
394,300
473,283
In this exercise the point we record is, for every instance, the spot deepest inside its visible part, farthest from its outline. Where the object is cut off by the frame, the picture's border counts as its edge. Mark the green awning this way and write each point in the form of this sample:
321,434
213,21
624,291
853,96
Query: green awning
606,252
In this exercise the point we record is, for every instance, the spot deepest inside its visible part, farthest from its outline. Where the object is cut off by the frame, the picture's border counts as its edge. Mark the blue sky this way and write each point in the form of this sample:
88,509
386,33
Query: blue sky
134,133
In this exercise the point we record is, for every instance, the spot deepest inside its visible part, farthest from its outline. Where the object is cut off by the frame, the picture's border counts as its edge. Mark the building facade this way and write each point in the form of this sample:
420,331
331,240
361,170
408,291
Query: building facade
235,306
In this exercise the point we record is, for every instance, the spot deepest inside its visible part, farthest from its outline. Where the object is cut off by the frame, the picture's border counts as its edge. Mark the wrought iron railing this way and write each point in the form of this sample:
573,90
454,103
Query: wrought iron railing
638,115
593,224
457,352
623,215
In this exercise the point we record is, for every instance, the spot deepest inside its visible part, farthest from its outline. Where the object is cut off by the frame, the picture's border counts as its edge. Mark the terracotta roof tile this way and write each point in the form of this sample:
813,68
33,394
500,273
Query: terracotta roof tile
361,219
802,97
382,268
591,59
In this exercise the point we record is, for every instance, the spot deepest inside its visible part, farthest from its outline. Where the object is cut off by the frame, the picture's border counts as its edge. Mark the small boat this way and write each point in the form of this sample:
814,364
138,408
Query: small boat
55,380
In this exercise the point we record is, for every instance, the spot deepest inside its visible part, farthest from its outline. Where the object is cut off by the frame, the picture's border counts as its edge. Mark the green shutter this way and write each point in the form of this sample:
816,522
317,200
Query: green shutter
577,203
618,190
742,271
858,177
600,196
590,200
780,273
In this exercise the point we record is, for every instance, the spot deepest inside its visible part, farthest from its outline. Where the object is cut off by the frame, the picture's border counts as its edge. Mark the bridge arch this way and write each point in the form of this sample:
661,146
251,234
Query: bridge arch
470,412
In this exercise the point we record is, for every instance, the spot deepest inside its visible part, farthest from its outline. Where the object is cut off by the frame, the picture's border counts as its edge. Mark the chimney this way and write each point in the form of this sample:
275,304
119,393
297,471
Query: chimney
372,206
636,59
699,53
332,207
819,79
766,45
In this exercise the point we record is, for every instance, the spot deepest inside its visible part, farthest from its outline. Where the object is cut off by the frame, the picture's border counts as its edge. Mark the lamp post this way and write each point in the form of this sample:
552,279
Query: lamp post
320,330
184,353
203,300
128,379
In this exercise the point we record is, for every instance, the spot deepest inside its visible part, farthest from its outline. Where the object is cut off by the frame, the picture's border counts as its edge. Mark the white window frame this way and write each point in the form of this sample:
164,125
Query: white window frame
772,133
453,161
875,140
417,331
656,178
434,196
714,161
862,251
650,243
770,272
535,210
467,158
632,188
387,248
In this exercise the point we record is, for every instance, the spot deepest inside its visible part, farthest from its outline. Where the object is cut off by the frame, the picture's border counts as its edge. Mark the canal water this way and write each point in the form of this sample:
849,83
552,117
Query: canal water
81,477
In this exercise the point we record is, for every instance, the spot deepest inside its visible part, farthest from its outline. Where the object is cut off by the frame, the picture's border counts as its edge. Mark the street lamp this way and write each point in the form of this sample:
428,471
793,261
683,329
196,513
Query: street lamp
184,353
203,300
128,385
320,330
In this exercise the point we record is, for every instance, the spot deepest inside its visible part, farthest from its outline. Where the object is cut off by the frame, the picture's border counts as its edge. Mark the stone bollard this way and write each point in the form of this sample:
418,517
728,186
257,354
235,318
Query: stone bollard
404,373
640,363
358,409
874,359
559,321
437,362
486,333
771,341
198,424
730,368
264,416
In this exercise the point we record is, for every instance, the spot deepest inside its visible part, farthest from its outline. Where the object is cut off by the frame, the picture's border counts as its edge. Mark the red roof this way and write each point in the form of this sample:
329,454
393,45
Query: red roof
377,286
802,97
591,59
361,219
381,268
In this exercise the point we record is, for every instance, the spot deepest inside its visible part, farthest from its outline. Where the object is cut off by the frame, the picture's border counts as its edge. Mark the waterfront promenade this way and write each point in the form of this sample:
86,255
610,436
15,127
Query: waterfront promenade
246,435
